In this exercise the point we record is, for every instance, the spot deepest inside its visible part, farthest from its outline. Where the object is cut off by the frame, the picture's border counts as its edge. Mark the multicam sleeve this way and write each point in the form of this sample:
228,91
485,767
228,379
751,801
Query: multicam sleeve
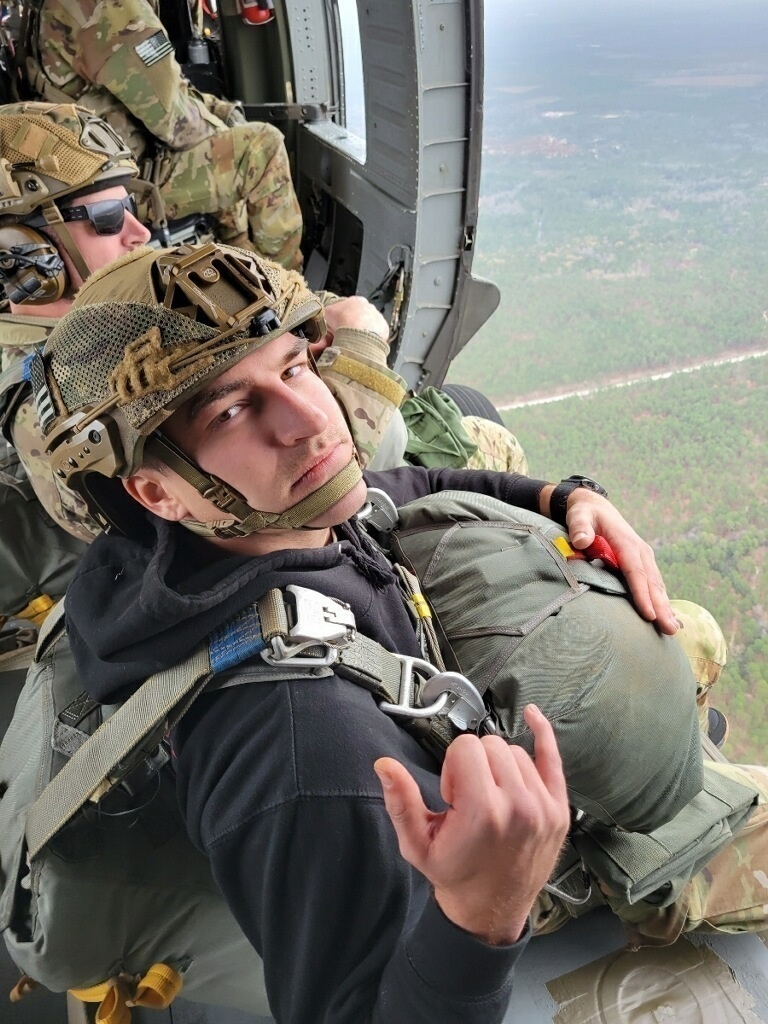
124,48
369,393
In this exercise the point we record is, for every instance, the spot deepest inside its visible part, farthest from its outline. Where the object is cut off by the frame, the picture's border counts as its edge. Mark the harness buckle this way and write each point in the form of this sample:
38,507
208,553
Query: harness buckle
318,621
464,706
448,694
379,511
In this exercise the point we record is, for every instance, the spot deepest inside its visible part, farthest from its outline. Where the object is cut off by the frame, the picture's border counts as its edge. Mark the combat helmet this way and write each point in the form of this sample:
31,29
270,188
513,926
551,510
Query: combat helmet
113,371
50,152
702,641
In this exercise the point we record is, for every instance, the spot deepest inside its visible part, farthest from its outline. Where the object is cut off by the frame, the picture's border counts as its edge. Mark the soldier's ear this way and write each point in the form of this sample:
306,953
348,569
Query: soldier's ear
159,493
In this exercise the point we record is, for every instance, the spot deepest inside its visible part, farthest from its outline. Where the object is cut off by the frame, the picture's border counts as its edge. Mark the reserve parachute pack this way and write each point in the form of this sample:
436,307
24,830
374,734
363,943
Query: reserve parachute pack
529,620
103,893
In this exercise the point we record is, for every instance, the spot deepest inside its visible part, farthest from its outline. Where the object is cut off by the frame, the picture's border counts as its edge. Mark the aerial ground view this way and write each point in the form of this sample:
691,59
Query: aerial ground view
624,217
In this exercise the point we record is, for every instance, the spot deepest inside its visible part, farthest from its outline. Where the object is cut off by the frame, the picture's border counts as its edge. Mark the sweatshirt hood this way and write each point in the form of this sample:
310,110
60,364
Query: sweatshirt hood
135,608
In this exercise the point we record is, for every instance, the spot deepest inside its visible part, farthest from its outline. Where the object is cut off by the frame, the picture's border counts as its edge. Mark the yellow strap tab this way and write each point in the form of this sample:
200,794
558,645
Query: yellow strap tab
370,378
562,545
422,607
156,990
36,610
113,1008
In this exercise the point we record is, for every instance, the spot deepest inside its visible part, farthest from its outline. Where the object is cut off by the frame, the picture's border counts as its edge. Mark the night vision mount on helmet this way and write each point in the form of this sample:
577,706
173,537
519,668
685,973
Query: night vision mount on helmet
49,153
114,371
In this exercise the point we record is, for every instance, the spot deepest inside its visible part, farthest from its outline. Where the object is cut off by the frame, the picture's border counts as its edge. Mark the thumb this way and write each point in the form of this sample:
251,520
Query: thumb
405,807
581,531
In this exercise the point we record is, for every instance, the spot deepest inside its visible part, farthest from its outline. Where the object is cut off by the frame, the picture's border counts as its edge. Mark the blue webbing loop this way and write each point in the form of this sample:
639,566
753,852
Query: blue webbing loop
236,641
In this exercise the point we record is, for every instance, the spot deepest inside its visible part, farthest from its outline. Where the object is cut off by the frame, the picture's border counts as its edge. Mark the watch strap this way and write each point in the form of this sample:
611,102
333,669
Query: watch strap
558,501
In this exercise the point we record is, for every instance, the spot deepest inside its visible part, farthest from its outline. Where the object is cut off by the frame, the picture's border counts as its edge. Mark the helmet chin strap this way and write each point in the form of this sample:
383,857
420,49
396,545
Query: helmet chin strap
233,505
54,220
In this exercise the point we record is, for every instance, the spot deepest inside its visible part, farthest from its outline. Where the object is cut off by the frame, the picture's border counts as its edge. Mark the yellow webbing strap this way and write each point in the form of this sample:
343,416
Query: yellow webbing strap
36,610
156,990
370,378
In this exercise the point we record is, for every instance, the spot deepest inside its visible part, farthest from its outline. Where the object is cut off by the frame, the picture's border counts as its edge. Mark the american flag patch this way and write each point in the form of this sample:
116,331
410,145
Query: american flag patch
154,49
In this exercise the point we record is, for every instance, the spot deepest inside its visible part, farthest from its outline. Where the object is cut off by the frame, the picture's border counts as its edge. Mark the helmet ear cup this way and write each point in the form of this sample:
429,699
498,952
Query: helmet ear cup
32,271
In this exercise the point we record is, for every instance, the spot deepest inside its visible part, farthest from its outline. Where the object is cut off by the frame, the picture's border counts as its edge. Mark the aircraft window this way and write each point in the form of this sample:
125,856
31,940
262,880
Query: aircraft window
352,59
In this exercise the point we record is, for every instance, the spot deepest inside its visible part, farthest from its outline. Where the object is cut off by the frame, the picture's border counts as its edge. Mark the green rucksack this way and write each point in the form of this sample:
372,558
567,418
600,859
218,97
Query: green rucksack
37,557
118,888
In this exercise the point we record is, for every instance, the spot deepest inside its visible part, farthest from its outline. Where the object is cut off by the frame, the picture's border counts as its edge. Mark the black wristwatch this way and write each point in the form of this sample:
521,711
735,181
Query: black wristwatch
558,502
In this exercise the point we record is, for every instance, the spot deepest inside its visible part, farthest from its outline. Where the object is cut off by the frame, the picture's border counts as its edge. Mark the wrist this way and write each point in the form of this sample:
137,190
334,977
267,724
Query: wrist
360,341
492,927
545,495
561,493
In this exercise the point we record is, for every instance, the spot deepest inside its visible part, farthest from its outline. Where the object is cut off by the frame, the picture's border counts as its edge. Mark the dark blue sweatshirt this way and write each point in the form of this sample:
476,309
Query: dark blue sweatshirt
276,780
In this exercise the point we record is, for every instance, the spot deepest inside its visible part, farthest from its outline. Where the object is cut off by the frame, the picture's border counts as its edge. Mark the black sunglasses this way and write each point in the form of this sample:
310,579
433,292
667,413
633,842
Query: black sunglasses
107,216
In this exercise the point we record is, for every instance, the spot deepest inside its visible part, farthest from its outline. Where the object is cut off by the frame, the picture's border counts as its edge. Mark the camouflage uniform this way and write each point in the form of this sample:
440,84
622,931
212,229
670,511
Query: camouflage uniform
113,57
704,643
19,337
355,369
497,447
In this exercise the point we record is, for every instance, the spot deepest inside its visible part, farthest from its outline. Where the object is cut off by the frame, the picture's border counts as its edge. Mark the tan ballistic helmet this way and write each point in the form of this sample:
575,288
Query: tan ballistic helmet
49,152
114,371
702,641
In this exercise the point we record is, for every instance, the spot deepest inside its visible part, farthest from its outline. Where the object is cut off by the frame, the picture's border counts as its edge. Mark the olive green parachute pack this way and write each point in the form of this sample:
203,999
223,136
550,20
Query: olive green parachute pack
97,876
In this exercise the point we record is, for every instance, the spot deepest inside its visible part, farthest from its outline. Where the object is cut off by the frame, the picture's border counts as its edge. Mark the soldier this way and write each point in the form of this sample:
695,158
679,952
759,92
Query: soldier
67,213
707,651
114,57
199,416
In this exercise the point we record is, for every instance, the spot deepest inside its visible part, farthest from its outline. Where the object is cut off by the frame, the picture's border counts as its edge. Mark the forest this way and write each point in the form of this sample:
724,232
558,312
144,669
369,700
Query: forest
624,218
685,460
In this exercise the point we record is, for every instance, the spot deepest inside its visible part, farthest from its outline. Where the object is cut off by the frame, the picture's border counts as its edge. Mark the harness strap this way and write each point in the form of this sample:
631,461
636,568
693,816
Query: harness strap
298,632
161,701
303,627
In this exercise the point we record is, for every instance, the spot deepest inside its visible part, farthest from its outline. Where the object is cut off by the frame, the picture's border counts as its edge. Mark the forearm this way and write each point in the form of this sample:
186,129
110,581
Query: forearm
307,859
411,482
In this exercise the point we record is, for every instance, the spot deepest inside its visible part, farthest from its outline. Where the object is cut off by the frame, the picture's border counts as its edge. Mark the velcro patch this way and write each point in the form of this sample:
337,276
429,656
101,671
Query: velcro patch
151,50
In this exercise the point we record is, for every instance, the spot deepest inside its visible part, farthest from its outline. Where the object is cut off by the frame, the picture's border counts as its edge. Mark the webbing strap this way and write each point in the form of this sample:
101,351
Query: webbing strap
368,664
249,520
52,626
151,705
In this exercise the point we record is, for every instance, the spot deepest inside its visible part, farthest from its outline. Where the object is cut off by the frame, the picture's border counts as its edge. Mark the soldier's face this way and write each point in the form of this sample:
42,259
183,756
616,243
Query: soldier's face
271,429
99,250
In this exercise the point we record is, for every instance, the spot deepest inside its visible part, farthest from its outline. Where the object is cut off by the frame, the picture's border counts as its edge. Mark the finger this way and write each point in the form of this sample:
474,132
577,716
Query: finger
408,813
647,589
509,763
665,616
549,764
466,775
